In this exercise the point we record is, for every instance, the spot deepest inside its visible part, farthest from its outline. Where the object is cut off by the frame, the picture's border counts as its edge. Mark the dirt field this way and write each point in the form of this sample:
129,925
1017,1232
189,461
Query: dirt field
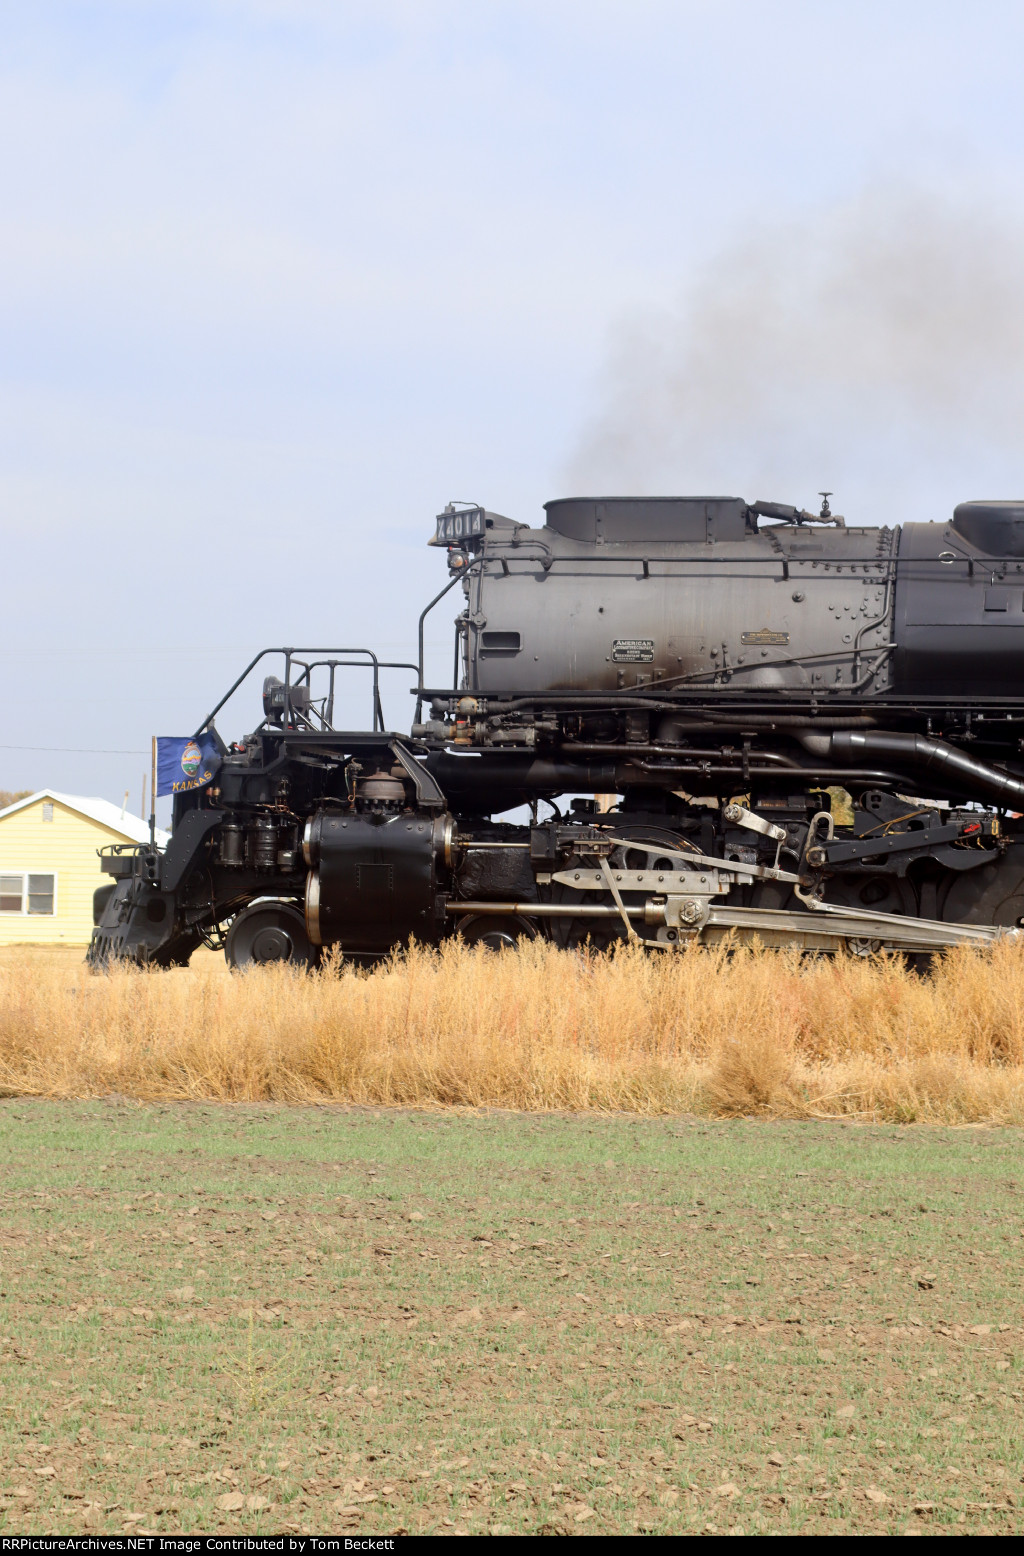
256,1318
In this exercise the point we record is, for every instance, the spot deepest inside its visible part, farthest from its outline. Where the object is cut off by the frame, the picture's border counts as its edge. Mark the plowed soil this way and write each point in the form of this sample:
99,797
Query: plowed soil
270,1318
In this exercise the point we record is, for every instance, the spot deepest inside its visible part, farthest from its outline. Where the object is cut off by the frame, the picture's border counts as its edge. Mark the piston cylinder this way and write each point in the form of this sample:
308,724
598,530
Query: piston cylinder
375,881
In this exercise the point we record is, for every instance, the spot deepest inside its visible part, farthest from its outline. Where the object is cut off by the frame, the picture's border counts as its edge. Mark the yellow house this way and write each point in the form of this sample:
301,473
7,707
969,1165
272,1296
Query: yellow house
49,867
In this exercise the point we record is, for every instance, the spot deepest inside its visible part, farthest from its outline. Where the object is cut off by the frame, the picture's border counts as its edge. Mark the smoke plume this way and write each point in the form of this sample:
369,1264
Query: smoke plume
878,350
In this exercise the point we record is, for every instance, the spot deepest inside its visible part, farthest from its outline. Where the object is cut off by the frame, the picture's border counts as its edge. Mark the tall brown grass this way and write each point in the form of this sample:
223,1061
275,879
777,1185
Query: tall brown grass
705,1031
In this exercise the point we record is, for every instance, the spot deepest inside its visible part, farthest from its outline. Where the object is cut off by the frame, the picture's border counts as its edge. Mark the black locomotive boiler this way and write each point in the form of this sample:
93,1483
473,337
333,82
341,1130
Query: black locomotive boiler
670,718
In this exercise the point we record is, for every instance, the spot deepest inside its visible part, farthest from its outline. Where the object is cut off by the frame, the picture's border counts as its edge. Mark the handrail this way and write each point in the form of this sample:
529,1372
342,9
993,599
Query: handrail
892,561
425,612
289,654
378,712
355,664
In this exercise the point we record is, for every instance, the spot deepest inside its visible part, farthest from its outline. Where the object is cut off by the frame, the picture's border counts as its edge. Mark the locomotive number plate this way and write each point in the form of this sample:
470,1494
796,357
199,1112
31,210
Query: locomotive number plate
764,638
632,651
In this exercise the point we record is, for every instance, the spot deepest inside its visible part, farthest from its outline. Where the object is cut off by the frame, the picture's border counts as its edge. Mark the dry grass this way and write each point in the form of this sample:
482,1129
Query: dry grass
699,1031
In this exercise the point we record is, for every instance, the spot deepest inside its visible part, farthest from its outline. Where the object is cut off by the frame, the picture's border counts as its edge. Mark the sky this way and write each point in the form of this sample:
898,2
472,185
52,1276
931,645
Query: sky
279,278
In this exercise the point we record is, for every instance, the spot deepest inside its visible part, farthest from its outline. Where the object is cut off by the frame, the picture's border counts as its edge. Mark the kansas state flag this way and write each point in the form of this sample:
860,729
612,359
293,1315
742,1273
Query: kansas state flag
184,763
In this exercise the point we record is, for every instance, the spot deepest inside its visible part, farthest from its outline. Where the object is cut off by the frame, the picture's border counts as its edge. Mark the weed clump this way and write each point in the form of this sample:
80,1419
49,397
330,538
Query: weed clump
715,1031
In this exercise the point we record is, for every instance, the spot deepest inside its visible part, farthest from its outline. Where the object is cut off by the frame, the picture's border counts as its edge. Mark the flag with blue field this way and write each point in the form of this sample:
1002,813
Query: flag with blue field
185,762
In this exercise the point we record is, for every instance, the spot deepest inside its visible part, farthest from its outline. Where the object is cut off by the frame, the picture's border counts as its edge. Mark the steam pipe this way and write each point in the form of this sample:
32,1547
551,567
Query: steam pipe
547,909
782,723
961,774
643,748
484,772
817,773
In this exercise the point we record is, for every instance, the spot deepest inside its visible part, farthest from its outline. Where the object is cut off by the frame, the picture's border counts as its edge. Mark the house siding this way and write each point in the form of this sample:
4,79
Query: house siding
66,848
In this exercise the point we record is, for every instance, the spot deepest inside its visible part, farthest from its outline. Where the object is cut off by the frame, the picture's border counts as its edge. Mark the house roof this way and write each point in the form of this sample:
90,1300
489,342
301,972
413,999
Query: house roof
108,815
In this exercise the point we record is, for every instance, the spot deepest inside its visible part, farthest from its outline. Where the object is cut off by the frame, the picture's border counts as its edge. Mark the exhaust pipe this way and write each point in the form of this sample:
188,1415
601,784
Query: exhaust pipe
922,755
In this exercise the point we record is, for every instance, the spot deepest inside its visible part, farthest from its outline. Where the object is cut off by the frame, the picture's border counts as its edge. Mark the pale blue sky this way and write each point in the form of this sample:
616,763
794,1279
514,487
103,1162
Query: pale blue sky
278,279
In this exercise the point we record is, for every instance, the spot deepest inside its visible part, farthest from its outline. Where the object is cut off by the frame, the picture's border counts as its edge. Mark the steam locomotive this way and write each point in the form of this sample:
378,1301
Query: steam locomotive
670,718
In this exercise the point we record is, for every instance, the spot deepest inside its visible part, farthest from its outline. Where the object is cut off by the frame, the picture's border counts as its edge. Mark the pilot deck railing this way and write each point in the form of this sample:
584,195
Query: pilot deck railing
323,715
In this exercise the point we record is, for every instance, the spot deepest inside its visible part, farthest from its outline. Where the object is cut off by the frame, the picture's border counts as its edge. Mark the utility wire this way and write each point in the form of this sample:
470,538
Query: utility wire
76,750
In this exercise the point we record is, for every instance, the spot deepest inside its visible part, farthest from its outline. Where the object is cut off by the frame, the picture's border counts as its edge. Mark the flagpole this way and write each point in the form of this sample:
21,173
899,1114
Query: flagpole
152,796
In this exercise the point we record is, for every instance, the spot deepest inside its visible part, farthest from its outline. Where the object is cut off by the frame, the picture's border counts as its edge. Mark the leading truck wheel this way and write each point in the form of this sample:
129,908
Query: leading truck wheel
269,932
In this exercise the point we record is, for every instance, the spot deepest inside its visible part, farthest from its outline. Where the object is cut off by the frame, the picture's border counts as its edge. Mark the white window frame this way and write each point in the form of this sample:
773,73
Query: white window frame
22,912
